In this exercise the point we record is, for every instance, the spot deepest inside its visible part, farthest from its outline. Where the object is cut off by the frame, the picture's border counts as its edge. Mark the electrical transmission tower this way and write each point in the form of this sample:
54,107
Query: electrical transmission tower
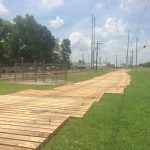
92,41
97,49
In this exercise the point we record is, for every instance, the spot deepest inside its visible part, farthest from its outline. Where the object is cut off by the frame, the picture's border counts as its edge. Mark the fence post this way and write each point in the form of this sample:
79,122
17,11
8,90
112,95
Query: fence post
0,71
35,75
66,73
43,70
22,65
15,70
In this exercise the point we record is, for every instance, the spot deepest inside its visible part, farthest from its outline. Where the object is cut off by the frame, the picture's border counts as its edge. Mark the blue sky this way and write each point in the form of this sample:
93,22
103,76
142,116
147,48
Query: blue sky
72,19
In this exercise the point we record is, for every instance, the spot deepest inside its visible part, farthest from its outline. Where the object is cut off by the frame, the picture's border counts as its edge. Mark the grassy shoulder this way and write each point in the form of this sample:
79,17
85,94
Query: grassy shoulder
6,87
82,76
118,122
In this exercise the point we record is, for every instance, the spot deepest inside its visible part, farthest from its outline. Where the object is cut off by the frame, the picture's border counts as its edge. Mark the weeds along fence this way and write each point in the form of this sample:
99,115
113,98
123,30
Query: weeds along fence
34,72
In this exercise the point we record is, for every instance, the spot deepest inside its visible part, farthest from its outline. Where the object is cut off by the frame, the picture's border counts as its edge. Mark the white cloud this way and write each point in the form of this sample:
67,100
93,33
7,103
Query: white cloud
112,48
79,38
112,28
111,33
98,6
57,22
51,4
80,45
3,9
114,35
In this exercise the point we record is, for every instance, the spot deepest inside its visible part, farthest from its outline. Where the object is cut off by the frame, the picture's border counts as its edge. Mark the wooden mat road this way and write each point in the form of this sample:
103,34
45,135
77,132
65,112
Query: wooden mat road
29,117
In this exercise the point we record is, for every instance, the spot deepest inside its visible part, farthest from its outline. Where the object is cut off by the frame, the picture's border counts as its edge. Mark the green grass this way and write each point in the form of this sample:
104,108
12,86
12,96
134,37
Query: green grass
117,122
82,76
6,87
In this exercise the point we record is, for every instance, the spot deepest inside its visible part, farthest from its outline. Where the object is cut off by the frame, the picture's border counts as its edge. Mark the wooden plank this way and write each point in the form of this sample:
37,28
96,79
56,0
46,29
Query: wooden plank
32,121
18,143
22,137
7,147
24,132
38,118
24,124
25,128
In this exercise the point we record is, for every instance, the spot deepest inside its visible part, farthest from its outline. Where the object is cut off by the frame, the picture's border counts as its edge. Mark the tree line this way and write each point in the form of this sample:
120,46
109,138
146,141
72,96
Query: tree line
147,64
25,39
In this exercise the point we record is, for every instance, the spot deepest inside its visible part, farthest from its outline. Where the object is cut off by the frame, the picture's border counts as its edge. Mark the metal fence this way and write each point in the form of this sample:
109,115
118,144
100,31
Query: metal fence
33,72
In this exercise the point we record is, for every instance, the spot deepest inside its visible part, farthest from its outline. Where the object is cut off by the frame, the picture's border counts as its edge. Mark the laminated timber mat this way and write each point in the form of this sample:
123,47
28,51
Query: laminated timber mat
29,117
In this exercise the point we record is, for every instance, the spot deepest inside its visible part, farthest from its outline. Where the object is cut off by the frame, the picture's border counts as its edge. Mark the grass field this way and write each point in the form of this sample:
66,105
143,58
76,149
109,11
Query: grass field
117,122
82,76
7,87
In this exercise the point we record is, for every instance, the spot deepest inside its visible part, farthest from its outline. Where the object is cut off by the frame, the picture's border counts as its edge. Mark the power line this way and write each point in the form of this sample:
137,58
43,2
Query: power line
111,14
141,19
107,5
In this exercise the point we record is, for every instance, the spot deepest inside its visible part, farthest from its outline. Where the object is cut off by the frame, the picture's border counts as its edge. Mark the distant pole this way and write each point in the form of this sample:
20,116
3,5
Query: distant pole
100,60
96,56
43,70
130,61
22,65
91,41
116,61
35,69
15,70
106,59
132,58
0,71
127,50
92,44
94,24
83,57
136,51
97,48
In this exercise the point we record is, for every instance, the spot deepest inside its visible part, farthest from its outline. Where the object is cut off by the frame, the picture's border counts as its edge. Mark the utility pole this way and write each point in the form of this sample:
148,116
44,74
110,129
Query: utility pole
92,44
116,61
92,41
100,60
106,60
97,48
94,24
88,61
132,60
130,64
127,50
136,51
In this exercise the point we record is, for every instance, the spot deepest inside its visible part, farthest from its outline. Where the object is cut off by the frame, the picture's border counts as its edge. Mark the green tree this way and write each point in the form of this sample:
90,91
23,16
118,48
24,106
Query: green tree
66,51
32,41
5,40
56,57
147,64
26,38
